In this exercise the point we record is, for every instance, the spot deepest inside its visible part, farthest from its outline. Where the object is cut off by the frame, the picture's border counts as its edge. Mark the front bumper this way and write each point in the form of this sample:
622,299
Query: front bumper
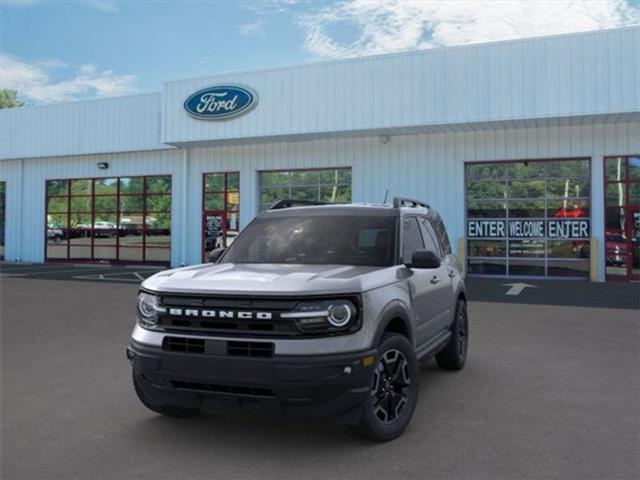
324,386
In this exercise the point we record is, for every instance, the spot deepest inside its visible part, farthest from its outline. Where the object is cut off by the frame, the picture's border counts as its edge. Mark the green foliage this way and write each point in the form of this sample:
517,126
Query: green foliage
9,99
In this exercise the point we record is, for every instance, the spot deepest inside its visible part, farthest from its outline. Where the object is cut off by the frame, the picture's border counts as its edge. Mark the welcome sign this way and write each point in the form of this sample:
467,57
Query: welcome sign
556,229
221,102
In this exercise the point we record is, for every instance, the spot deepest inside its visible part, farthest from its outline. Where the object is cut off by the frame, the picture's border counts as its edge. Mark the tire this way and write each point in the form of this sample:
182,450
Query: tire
454,355
167,410
395,358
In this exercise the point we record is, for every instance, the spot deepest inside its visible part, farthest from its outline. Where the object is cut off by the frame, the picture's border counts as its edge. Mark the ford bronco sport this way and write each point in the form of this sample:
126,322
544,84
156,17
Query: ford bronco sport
321,310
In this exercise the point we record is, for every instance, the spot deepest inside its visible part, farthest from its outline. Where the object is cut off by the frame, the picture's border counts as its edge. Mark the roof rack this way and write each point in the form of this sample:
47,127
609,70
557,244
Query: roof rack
408,202
289,203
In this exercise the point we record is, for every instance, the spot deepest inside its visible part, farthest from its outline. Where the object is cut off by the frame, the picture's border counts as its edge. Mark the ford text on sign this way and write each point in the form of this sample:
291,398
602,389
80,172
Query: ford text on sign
221,102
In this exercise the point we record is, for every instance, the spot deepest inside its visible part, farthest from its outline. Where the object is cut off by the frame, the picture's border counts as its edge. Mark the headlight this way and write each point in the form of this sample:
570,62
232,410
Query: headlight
324,316
148,309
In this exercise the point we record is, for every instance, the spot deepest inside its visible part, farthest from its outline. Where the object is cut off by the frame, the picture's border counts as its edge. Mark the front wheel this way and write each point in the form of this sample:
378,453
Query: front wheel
395,384
454,355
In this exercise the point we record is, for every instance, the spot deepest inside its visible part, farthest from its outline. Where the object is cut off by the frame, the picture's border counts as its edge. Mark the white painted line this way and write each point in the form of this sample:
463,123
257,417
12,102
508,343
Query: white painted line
138,276
516,288
97,277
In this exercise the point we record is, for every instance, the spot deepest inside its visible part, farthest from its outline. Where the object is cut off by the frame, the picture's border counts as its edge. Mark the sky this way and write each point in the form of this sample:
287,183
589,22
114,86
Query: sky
57,51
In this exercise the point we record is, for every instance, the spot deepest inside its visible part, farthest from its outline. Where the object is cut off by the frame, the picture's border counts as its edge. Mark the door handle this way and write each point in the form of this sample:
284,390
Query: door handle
452,273
435,279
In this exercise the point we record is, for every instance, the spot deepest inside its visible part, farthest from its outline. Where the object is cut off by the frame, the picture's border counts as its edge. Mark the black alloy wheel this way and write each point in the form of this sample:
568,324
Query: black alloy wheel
391,383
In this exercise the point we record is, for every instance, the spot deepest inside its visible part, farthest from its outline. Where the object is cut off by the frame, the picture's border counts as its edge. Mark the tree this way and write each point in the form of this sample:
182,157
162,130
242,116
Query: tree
9,99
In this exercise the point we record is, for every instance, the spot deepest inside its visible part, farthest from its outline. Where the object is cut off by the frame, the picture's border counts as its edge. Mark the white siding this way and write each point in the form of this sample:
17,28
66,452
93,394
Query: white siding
96,126
565,76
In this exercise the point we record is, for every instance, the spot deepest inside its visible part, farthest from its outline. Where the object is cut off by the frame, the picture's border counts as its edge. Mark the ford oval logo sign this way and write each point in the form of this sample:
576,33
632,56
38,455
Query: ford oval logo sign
221,102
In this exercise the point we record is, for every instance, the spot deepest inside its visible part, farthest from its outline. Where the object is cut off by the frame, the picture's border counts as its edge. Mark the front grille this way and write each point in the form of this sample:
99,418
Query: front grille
271,327
250,349
187,345
223,389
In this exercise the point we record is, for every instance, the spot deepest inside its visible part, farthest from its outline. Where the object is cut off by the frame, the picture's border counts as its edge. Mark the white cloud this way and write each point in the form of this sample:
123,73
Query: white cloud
252,29
34,82
394,25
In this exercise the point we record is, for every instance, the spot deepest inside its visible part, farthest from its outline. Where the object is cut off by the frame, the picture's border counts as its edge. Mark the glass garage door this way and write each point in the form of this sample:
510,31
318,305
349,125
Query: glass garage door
325,185
622,217
120,219
528,218
2,222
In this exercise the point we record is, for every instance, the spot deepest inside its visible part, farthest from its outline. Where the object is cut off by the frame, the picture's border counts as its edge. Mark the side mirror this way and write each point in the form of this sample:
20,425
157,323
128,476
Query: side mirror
215,254
424,259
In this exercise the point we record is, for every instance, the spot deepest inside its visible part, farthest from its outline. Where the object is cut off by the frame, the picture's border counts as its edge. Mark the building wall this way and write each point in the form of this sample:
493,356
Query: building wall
425,166
107,125
596,73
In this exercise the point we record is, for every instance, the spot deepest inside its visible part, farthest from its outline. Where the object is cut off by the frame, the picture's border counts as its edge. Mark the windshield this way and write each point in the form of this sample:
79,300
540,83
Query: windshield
340,239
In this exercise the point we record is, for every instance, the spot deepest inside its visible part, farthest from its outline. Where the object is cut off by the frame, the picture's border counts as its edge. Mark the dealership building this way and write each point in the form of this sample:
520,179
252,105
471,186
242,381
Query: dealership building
530,150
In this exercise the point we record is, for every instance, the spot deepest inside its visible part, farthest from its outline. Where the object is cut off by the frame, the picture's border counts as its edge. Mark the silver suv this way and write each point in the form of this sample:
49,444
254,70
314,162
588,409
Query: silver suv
315,310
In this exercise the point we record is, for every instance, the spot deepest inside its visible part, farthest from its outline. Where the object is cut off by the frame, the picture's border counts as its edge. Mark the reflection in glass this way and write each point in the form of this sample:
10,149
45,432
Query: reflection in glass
106,204
158,254
615,169
616,194
57,204
568,188
106,186
99,217
131,185
81,204
131,254
634,168
57,187
568,248
526,189
490,171
487,266
526,248
486,209
158,184
536,190
559,268
485,190
214,182
158,203
526,267
526,209
329,185
487,248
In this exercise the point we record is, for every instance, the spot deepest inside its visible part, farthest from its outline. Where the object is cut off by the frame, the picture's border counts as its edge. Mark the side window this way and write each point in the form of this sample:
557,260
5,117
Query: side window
411,238
442,233
430,238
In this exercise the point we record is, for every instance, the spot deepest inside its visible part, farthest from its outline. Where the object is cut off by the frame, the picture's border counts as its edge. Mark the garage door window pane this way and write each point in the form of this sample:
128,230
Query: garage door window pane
158,184
106,204
615,169
106,186
81,187
328,185
57,187
131,185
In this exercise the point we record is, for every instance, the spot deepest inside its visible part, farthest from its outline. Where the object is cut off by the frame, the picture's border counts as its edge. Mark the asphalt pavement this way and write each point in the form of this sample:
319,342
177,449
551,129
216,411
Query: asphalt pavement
549,391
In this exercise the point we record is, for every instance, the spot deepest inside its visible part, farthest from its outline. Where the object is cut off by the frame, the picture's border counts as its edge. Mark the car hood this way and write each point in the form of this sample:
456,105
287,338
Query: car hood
271,279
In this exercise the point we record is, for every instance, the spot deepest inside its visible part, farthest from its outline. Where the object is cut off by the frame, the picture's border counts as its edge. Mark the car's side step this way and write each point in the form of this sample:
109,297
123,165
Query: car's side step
430,349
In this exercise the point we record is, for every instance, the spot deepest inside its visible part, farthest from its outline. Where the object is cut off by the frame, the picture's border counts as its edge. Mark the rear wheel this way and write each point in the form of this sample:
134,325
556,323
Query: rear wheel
168,410
454,355
394,391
